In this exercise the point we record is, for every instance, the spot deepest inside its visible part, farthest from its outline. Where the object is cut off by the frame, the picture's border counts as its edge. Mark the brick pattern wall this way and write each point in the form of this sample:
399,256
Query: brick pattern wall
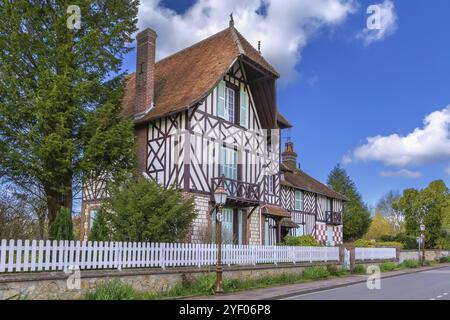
199,233
321,233
254,225
338,235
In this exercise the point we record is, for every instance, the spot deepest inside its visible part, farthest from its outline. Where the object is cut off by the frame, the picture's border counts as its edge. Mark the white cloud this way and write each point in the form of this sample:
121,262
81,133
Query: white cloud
402,173
283,27
381,22
426,145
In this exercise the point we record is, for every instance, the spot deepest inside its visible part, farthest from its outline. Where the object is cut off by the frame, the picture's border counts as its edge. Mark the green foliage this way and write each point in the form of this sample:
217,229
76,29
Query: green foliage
443,243
314,273
59,118
113,290
62,228
302,241
359,269
101,229
409,242
356,217
444,259
388,266
379,227
334,271
364,243
409,264
142,210
429,205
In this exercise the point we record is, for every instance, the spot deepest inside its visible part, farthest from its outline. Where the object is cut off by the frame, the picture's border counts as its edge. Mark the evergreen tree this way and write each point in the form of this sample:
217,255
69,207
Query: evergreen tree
356,217
59,117
101,229
62,228
142,210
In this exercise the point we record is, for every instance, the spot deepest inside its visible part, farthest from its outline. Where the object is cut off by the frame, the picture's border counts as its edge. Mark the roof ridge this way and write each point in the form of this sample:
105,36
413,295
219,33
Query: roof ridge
193,45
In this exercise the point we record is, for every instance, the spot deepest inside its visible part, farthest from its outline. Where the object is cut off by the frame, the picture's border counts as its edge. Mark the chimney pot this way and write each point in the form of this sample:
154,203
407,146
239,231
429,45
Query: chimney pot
289,156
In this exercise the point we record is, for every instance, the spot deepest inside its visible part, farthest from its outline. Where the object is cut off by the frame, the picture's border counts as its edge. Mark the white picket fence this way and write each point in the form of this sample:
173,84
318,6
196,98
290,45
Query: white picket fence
375,253
21,256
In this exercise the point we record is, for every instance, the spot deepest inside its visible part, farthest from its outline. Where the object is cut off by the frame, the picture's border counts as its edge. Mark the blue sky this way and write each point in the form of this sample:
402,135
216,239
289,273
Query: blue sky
340,89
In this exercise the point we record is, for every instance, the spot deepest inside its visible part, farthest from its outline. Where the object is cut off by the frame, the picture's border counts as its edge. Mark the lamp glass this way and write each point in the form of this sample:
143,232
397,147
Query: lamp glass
220,196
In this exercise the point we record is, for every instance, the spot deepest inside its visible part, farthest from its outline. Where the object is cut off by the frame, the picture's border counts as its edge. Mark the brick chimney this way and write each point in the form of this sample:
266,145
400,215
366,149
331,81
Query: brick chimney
289,156
145,71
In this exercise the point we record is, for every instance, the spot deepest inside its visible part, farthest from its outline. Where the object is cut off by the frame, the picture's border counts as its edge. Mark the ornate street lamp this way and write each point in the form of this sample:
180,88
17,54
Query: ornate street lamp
220,198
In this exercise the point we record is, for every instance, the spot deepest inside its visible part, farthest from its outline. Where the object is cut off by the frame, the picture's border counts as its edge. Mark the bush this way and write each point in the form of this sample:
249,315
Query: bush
301,241
314,273
444,259
388,266
359,269
409,264
113,290
443,243
363,243
409,242
335,271
62,227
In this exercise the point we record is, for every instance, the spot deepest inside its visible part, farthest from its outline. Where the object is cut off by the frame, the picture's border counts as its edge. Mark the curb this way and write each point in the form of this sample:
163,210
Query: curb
307,291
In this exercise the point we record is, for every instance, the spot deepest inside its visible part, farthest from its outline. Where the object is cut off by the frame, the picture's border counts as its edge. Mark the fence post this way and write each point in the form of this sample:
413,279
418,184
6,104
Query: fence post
341,254
352,258
397,254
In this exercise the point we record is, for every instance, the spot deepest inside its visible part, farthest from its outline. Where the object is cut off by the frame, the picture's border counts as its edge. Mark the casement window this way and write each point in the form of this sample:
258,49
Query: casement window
228,163
270,184
299,231
243,113
225,102
298,201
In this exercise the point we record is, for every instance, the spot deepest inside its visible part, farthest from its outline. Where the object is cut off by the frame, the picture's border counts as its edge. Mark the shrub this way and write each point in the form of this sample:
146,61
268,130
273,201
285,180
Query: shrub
388,266
335,271
389,244
409,264
302,241
359,269
443,243
62,227
113,290
444,259
409,242
363,243
313,273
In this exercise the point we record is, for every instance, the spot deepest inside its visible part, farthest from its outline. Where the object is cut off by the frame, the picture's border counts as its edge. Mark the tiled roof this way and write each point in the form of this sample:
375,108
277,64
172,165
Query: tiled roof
186,77
275,211
300,180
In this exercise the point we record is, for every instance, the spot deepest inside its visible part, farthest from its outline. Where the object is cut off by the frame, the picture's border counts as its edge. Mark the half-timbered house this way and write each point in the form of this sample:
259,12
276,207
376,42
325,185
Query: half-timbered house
204,116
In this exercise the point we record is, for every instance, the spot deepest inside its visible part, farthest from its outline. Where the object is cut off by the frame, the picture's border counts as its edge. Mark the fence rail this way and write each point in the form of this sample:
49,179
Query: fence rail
375,253
22,256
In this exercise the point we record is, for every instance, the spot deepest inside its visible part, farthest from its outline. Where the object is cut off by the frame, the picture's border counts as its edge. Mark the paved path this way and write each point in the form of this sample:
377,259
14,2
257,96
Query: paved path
303,290
428,285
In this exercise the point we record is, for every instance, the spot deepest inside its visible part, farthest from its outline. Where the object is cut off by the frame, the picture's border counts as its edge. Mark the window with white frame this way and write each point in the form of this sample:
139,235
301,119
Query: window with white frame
229,104
298,205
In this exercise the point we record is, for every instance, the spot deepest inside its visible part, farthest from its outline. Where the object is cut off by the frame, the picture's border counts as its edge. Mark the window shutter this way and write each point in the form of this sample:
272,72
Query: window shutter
221,99
243,117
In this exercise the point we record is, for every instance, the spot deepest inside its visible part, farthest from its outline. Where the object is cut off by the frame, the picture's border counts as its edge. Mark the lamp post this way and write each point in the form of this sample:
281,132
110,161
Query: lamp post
422,240
220,198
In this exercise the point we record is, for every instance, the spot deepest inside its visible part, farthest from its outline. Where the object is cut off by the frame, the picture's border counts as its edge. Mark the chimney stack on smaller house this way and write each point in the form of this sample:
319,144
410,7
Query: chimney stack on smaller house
289,156
145,71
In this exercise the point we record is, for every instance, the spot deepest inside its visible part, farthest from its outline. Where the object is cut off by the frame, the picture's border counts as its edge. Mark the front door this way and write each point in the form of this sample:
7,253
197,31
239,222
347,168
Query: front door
330,235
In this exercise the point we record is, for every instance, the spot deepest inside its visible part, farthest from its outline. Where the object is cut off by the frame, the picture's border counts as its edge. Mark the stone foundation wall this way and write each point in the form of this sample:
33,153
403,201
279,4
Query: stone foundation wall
254,228
57,285
200,230
431,255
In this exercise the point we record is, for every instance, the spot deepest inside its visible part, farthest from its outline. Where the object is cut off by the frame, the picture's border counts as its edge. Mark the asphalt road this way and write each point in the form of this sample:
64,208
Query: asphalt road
427,285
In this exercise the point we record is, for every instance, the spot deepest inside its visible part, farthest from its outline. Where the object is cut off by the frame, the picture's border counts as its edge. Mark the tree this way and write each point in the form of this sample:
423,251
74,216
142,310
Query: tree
379,227
101,228
62,228
58,112
142,210
356,217
386,206
428,205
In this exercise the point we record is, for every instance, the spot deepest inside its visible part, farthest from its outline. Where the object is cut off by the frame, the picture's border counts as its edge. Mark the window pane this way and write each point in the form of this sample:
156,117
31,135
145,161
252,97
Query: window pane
229,105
